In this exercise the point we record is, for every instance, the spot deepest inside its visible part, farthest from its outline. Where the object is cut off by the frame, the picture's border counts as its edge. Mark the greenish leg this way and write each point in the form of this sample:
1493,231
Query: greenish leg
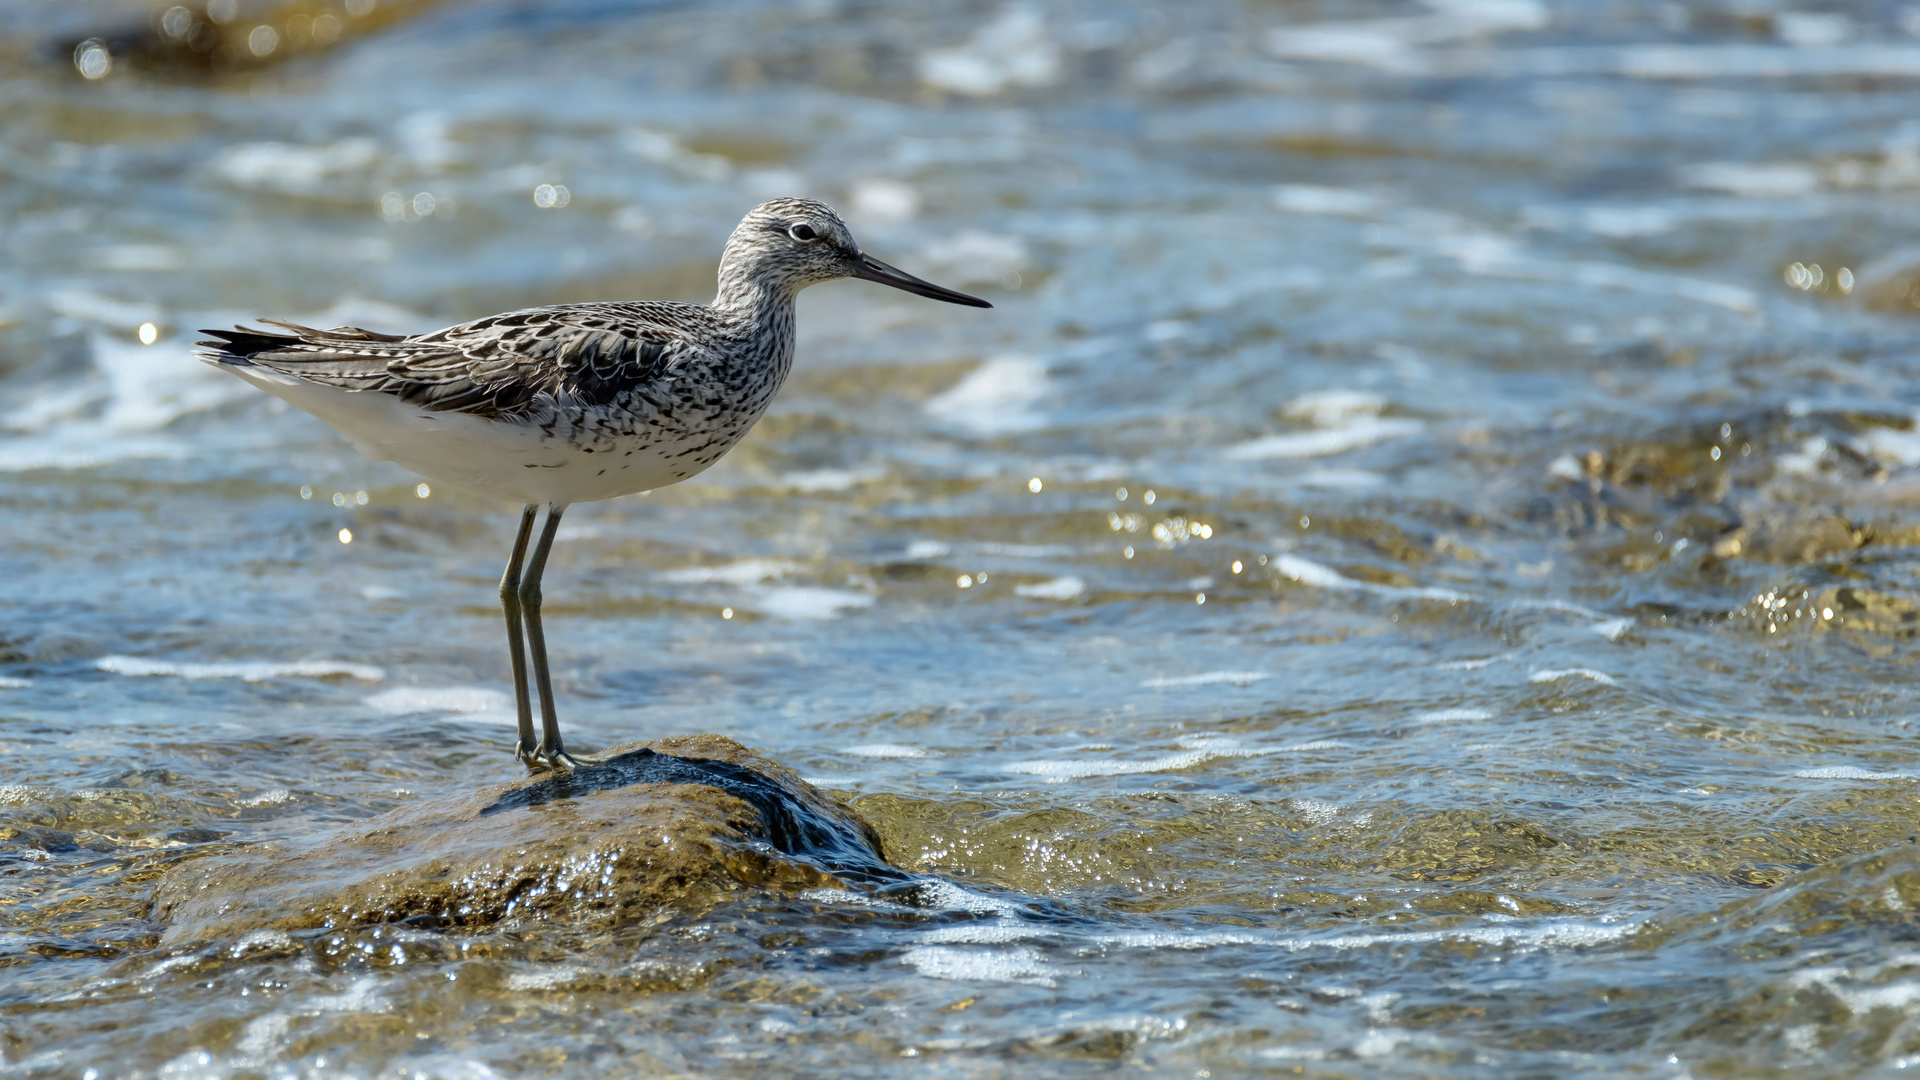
550,752
523,748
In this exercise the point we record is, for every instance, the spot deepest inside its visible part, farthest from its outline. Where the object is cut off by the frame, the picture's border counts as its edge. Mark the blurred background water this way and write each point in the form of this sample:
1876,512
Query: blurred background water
1419,567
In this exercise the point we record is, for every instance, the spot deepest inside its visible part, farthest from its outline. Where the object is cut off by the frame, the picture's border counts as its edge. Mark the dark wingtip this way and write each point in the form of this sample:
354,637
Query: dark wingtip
240,343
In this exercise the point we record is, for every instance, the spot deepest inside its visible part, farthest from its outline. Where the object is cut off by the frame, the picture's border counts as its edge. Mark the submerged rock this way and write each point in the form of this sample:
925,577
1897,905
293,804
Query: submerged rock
676,822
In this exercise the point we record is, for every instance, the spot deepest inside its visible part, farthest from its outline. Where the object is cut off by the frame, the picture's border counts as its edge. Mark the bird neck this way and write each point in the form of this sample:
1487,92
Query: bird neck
752,298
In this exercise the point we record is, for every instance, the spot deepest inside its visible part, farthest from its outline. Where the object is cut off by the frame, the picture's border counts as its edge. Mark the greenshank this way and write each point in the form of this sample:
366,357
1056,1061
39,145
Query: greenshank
551,406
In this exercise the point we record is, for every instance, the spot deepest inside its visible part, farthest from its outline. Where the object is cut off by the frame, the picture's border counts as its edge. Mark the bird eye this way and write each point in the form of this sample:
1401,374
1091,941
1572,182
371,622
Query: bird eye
803,233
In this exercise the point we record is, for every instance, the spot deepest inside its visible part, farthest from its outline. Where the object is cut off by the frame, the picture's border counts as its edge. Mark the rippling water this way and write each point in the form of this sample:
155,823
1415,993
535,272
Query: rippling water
1417,574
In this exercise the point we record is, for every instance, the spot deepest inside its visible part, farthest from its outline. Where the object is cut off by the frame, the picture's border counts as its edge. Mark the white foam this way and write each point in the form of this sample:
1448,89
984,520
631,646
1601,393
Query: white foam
1012,50
746,572
119,411
1611,629
263,1038
1849,772
995,397
1394,44
1361,432
1022,964
1208,678
1315,811
1060,588
1311,199
572,531
1628,221
1774,180
546,978
886,750
928,549
363,996
1447,716
250,671
1328,408
1307,572
469,700
1891,446
1530,937
88,306
1810,29
381,592
807,602
1495,257
1002,931
286,167
1546,675
845,896
974,257
1059,772
1566,467
1892,995
1339,479
139,257
1028,551
274,797
882,200
14,682
942,895
830,479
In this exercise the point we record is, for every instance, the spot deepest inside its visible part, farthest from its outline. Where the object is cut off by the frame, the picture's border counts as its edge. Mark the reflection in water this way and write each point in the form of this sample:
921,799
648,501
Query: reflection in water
1522,386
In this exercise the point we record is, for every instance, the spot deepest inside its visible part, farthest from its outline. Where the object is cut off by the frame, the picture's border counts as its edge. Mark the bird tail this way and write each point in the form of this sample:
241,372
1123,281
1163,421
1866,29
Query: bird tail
237,347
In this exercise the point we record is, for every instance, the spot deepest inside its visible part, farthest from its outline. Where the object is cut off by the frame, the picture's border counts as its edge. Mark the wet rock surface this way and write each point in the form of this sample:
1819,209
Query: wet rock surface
679,822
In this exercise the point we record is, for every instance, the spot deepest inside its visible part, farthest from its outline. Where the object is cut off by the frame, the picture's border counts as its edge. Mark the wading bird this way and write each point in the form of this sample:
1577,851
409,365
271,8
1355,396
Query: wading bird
571,403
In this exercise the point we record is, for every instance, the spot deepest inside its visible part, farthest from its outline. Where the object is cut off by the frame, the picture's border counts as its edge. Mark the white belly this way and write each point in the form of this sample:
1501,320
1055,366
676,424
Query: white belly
501,459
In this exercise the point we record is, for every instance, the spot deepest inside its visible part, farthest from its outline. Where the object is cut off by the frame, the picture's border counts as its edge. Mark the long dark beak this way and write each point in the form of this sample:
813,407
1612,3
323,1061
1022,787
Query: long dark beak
872,269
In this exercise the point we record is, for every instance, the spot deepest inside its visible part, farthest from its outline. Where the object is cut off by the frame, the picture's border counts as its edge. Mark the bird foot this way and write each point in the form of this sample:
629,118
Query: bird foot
541,759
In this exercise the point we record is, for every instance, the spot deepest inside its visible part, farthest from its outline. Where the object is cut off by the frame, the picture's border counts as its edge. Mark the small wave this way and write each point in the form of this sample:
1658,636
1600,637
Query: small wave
405,700
1307,572
1059,772
1547,675
1849,772
746,572
1208,678
1539,936
1471,665
996,397
1022,964
1336,440
1060,588
1443,716
808,602
886,750
819,480
249,671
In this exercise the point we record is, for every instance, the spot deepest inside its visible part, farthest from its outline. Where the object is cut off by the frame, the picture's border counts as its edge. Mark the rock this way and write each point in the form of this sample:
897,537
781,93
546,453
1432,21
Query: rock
1800,539
1891,283
679,822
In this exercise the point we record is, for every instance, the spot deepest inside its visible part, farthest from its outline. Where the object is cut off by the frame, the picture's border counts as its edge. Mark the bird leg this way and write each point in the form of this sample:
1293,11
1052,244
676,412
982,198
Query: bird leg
523,747
549,752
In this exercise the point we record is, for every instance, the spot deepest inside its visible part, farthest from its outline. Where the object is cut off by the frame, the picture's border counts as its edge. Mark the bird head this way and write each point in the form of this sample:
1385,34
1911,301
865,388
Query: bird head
790,243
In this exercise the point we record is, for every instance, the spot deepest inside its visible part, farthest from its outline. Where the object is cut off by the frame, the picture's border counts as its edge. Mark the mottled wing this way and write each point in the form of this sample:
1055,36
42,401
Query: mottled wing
494,367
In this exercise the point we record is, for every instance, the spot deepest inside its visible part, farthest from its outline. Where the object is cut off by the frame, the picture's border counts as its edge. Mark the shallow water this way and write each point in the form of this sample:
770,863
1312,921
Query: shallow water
1415,577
